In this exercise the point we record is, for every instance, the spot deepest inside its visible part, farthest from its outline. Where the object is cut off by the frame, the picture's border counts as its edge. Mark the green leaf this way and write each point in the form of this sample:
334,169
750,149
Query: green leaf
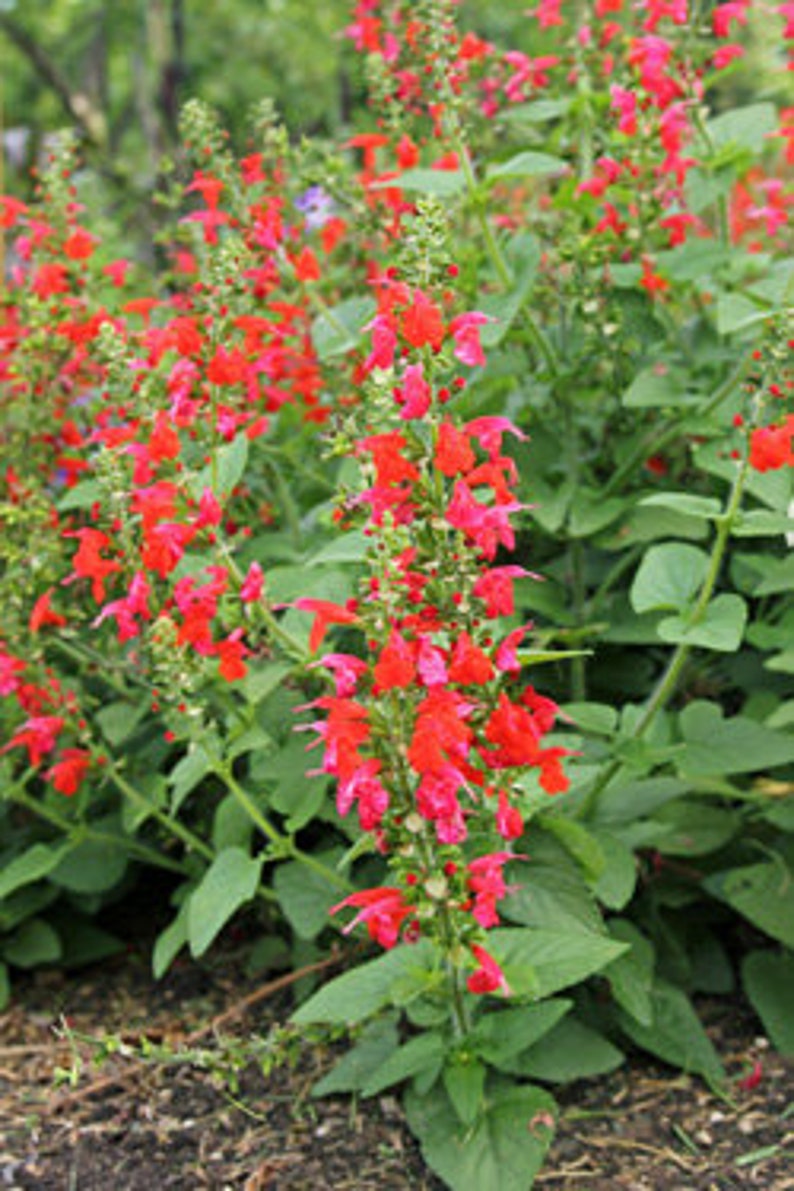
25,903
500,1037
615,885
504,308
529,164
231,460
778,576
631,975
120,719
5,987
290,791
464,1079
82,496
761,523
597,718
653,388
550,890
694,828
305,895
570,1051
261,681
537,111
721,627
377,1042
83,942
768,978
578,842
229,882
170,942
441,183
736,313
763,893
668,577
629,801
358,994
186,775
591,512
676,1035
349,547
231,825
502,1151
703,507
418,1054
746,126
537,962
733,745
340,329
91,867
34,864
35,942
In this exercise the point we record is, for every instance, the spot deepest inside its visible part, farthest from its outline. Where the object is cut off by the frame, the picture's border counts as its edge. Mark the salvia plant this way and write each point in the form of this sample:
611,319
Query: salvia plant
408,557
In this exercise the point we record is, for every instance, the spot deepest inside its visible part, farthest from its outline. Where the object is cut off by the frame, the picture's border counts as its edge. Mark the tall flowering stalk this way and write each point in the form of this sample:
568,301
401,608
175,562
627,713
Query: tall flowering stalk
429,733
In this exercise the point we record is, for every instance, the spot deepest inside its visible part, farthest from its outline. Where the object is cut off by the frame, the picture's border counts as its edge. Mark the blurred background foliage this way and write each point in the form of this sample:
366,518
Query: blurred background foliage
118,71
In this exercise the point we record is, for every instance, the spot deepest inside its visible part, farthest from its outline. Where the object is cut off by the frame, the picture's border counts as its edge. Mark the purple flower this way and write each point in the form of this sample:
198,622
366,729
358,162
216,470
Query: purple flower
316,205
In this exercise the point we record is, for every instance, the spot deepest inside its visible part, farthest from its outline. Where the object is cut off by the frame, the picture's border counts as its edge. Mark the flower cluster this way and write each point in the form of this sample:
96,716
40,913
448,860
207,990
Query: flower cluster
431,734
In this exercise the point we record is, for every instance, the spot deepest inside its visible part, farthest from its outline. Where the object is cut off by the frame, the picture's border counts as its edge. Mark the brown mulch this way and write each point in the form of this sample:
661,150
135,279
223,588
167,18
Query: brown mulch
70,1123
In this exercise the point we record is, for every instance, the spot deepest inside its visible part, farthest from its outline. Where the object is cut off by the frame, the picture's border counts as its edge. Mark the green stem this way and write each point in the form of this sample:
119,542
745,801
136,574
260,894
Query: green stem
461,1022
669,680
84,654
539,340
85,831
578,663
291,645
283,843
657,441
723,224
192,842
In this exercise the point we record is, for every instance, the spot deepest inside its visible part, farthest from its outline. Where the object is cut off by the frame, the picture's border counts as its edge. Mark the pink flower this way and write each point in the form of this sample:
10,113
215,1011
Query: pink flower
253,584
466,334
415,394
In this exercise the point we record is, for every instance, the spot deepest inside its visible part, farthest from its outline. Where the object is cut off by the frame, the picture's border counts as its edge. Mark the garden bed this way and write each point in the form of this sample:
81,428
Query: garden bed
133,1123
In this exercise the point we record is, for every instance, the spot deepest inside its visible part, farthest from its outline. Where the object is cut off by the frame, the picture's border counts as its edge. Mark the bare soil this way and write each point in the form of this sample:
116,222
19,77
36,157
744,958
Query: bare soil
129,1122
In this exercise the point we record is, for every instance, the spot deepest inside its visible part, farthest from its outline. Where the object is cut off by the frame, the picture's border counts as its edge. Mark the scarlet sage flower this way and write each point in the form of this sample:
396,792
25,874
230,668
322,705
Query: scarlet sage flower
68,773
487,976
382,909
325,614
39,735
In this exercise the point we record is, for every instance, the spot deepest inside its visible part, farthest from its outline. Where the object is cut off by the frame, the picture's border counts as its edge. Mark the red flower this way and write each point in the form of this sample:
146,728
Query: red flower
326,613
421,323
38,735
231,653
306,266
488,976
395,669
68,772
453,454
770,446
469,665
43,614
88,562
79,246
382,909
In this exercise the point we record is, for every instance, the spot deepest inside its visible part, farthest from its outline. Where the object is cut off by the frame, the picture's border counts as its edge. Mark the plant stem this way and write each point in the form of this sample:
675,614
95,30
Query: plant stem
18,794
192,842
669,680
658,441
539,340
283,843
